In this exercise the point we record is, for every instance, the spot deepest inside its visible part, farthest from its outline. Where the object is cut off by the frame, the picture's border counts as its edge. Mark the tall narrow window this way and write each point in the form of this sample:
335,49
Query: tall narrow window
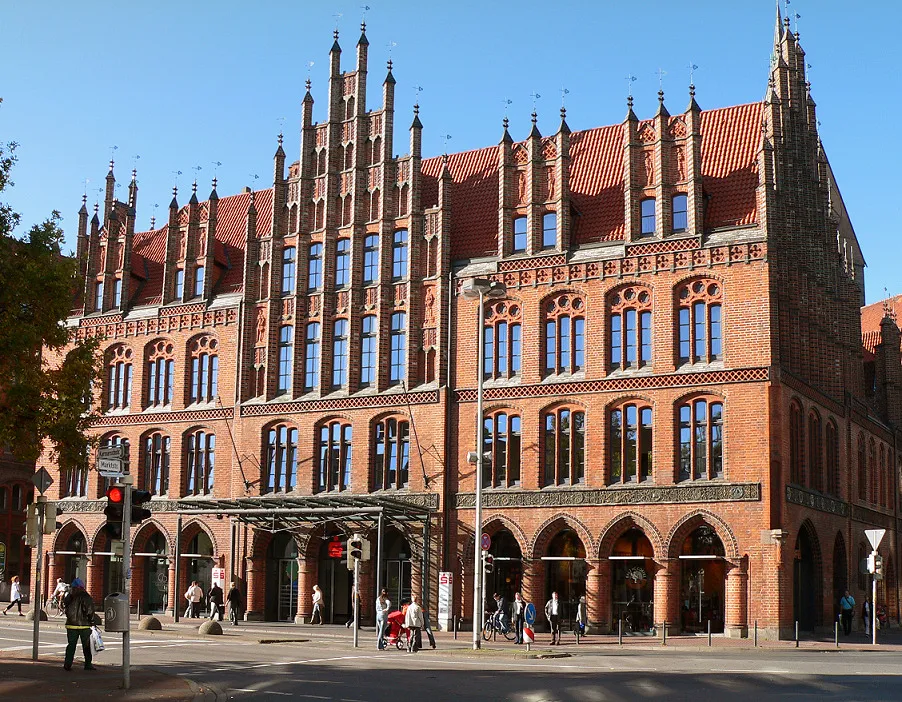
156,463
311,356
815,452
700,333
680,213
631,441
564,451
119,377
862,470
872,471
199,281
289,266
204,369
796,445
502,339
398,347
630,320
179,284
340,353
648,217
392,454
160,373
399,255
201,462
832,465
371,259
98,296
281,470
701,440
343,263
334,469
117,292
368,347
315,267
520,236
502,449
286,358
549,230
565,334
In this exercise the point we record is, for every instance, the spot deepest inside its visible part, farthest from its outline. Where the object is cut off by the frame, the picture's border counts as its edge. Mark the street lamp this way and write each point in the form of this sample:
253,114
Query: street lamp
480,289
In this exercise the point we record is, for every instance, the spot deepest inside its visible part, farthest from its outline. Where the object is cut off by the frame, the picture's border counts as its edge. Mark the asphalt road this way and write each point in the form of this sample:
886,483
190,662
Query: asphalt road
325,668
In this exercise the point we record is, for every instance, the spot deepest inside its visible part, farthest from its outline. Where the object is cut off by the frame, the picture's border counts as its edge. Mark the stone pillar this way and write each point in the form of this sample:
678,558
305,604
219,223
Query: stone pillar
53,572
736,612
256,589
308,570
667,594
598,598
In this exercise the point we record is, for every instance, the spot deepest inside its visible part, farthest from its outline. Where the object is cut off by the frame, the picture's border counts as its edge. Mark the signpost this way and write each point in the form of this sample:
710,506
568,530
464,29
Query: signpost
112,461
42,480
529,615
875,536
486,542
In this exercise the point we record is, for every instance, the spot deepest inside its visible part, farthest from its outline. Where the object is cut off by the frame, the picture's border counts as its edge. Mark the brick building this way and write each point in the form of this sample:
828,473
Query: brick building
677,417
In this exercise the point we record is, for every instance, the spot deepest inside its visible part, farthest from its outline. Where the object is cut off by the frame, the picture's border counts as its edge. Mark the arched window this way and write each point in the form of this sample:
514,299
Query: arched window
872,471
701,440
648,217
398,347
399,255
119,377
311,356
565,446
862,470
204,369
549,230
289,265
201,462
374,206
832,446
630,443
160,372
343,263
74,482
630,323
281,469
156,463
286,358
680,218
796,445
520,237
503,339
340,353
321,162
882,476
565,334
392,448
334,457
502,447
369,344
700,328
371,259
815,452
315,267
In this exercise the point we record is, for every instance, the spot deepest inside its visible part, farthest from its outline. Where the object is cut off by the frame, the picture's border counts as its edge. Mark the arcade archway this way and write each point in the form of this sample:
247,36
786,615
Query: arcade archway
807,595
633,581
153,555
565,572
702,581
507,576
282,578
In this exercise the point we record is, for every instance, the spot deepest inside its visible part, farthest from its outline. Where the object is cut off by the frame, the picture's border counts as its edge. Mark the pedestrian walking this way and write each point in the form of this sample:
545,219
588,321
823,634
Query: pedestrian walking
846,610
317,605
582,615
518,607
15,595
413,620
216,605
500,610
866,615
79,620
553,615
193,595
234,599
383,607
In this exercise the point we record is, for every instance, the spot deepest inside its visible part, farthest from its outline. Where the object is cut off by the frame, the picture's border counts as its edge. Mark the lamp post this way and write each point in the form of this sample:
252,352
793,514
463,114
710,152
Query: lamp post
480,289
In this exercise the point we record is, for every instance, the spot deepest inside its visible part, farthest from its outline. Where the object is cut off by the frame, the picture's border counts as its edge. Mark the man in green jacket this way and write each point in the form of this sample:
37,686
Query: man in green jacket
79,620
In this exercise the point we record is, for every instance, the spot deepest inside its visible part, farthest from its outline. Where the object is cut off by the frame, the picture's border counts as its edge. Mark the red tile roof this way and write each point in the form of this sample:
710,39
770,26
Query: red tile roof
871,317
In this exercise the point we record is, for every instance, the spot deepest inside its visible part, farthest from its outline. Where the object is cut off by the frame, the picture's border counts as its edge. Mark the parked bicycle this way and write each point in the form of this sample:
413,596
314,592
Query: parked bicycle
495,625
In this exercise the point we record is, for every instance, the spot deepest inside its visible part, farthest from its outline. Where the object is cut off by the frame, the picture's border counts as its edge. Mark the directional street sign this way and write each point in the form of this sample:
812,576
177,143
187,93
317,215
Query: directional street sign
117,452
42,480
875,536
529,614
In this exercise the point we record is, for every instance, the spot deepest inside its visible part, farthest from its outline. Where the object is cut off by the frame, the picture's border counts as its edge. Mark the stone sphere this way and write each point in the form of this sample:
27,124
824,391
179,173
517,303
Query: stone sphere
150,624
210,628
30,615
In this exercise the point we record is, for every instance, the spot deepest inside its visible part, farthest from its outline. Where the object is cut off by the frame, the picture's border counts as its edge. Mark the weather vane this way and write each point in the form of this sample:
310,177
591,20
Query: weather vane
337,16
176,174
216,164
661,73
630,79
364,10
534,96
391,45
507,102
692,69
445,139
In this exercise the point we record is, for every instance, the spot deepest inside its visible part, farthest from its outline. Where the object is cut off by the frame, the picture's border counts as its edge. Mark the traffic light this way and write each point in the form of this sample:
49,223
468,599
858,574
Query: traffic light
50,518
355,550
115,503
31,525
878,567
139,513
489,563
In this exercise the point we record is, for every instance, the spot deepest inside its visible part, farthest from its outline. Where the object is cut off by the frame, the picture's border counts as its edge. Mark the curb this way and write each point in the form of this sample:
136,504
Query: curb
205,693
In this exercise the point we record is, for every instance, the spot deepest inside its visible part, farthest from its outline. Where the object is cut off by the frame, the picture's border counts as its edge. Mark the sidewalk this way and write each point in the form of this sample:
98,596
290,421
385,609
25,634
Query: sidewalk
24,679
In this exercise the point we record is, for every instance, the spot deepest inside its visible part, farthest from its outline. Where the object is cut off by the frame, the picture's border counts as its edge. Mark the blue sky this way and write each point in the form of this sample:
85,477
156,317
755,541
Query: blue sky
187,84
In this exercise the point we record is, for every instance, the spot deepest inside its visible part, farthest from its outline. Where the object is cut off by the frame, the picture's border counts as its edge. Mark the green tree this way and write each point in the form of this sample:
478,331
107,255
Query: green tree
46,373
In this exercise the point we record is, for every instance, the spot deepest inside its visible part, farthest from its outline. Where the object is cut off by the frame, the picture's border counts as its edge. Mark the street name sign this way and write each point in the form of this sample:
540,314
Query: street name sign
111,467
117,452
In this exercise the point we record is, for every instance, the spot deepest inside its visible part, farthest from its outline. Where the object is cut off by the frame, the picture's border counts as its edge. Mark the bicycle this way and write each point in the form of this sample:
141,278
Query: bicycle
494,626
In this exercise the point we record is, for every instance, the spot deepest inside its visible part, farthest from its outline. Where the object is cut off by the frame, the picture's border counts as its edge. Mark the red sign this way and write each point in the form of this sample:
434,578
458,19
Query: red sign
336,548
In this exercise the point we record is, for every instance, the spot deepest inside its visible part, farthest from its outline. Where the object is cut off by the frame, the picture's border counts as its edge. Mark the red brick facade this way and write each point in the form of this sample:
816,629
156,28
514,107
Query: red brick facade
677,383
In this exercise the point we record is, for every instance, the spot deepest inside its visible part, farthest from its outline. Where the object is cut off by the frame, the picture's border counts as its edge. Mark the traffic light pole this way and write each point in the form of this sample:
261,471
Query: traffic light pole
128,481
874,601
356,600
41,503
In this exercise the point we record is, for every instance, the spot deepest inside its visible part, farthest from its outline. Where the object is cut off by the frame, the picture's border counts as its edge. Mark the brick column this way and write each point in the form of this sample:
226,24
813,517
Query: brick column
256,589
173,593
93,577
667,594
598,588
307,577
736,613
368,592
534,587
54,571
466,594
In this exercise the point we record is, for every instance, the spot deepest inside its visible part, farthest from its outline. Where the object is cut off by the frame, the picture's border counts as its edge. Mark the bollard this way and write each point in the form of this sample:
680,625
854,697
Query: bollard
836,633
138,611
797,634
756,633
664,630
709,633
620,632
454,622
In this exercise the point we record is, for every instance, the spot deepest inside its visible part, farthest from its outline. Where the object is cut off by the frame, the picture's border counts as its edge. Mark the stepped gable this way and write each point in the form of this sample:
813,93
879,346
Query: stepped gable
731,137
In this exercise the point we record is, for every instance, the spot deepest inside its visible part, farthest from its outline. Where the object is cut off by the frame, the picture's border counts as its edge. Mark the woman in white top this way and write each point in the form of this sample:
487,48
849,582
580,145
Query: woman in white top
317,605
383,607
15,595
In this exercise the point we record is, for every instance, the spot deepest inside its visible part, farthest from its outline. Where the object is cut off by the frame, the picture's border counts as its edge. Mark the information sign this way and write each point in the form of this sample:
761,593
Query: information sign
445,582
529,613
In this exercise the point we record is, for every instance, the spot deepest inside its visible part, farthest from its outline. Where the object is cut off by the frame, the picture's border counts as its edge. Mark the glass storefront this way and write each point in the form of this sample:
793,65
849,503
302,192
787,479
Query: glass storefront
633,583
702,582
565,574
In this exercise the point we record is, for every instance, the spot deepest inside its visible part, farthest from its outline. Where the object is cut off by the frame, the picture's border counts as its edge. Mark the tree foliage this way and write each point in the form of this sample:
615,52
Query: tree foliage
46,374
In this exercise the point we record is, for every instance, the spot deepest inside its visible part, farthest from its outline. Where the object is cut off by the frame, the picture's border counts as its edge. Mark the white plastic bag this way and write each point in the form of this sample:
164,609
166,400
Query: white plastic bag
96,640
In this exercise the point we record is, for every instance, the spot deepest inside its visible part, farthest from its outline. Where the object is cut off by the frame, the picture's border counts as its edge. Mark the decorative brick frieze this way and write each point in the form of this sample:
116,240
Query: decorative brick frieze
168,321
207,415
342,403
815,500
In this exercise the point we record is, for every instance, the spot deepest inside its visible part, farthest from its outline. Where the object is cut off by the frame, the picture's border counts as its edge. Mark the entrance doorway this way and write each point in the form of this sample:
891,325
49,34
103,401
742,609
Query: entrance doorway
75,563
200,561
156,574
282,578
335,582
703,581
565,573
806,586
396,568
633,582
507,578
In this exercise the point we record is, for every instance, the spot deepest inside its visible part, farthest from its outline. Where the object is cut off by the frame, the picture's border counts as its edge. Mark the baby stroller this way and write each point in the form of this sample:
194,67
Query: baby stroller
397,632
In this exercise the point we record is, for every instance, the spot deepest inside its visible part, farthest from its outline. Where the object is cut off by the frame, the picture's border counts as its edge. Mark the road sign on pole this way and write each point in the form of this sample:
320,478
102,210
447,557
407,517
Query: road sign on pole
875,536
116,453
36,602
42,480
111,467
486,542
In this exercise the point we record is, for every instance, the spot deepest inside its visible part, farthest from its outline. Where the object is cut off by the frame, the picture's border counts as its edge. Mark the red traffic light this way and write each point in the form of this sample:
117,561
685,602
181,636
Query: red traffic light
116,494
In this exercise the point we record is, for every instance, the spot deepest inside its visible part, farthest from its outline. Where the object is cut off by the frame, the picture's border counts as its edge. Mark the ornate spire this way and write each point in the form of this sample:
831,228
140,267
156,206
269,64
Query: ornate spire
565,128
505,136
416,117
